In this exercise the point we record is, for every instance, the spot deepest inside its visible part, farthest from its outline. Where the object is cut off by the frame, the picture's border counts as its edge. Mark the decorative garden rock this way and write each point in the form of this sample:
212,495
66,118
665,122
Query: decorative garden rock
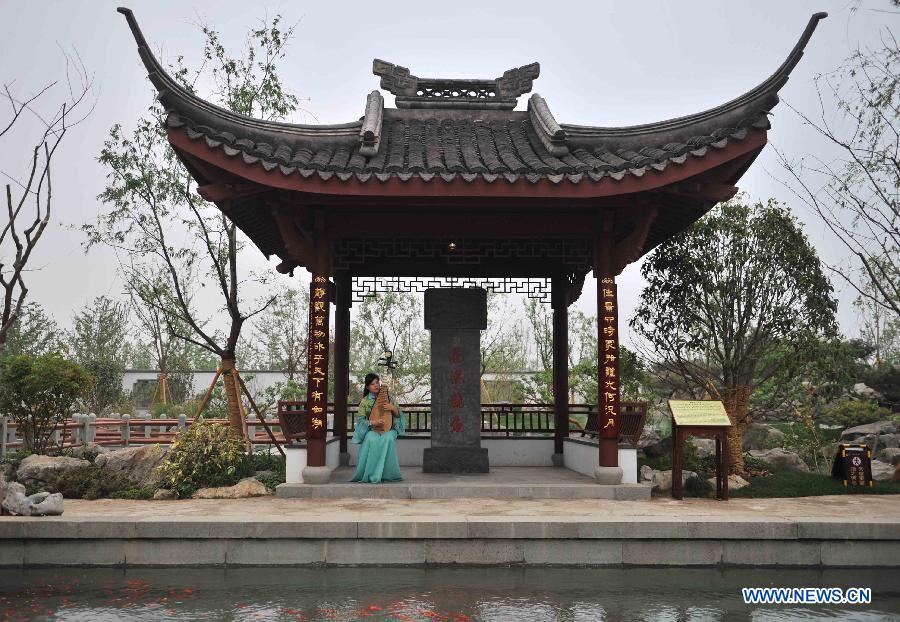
705,446
889,440
877,428
88,449
653,444
164,494
761,436
38,469
247,487
138,464
662,480
891,455
780,459
735,482
40,504
882,471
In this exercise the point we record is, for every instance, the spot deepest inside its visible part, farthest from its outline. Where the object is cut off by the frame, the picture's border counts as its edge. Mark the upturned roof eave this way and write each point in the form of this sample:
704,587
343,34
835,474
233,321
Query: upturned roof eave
747,110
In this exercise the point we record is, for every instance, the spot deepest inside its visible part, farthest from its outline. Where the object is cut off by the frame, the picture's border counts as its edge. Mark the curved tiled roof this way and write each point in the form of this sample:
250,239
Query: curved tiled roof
439,142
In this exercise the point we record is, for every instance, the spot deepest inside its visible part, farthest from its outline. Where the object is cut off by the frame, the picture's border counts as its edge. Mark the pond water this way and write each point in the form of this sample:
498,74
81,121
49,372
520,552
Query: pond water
453,594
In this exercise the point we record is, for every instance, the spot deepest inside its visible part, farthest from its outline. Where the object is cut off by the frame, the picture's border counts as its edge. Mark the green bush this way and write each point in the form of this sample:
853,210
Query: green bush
88,482
39,393
206,454
851,413
271,480
697,487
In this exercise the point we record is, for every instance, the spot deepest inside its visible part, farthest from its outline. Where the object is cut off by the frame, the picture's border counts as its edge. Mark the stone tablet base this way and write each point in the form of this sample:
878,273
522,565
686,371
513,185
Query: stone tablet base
455,460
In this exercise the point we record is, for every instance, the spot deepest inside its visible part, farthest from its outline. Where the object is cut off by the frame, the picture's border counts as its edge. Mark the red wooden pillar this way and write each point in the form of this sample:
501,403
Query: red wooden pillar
560,365
317,371
341,359
608,385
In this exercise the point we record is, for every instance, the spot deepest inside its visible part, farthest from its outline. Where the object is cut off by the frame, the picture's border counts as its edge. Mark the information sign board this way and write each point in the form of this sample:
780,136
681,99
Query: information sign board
699,412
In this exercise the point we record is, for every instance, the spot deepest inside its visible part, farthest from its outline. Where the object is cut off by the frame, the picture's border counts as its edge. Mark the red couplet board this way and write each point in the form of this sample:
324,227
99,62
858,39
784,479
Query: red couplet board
609,359
317,362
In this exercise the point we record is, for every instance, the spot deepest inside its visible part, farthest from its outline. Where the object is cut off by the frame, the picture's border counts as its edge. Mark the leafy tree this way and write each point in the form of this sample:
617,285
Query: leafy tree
856,192
98,343
153,205
583,358
392,321
28,208
39,393
282,332
34,333
738,284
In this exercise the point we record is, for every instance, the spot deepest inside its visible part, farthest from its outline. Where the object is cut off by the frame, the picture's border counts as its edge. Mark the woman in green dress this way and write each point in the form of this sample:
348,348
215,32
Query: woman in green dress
377,460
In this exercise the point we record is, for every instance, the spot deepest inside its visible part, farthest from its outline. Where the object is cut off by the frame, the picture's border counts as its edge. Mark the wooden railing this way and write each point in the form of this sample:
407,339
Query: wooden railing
497,420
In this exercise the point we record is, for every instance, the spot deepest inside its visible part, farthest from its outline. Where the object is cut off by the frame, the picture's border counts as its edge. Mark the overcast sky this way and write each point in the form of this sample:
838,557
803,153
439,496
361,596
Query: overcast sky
602,63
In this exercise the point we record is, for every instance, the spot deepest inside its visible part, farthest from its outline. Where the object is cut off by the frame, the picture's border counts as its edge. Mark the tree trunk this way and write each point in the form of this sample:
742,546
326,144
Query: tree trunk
736,406
233,397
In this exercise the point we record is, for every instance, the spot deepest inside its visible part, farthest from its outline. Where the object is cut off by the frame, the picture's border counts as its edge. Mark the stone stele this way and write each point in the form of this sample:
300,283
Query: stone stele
455,318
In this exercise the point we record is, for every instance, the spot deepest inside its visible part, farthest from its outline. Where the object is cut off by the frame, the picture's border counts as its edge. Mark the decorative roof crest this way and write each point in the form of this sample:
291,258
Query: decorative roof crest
414,92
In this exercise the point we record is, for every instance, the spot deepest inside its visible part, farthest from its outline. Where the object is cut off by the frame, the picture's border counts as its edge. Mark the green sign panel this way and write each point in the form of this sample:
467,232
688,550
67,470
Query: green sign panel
699,412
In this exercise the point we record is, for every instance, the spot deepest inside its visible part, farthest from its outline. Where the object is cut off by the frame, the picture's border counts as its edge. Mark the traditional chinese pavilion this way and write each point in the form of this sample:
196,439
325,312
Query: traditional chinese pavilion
467,190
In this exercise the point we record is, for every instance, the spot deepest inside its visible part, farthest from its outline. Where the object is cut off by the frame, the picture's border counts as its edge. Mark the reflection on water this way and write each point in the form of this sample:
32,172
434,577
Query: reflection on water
453,594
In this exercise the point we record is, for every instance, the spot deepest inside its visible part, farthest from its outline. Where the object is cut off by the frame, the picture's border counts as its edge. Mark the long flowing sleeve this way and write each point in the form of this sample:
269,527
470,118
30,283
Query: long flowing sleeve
362,422
399,426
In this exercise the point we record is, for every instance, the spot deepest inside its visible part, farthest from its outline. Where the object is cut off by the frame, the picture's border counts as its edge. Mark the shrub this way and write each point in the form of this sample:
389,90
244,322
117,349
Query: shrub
271,480
697,487
203,455
851,413
88,482
39,393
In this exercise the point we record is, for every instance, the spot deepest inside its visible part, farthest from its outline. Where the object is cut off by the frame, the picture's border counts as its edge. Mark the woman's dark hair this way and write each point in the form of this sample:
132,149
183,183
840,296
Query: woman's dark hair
369,379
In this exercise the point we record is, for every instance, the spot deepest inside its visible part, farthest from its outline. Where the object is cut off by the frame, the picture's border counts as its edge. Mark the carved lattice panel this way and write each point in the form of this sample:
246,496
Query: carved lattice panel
368,286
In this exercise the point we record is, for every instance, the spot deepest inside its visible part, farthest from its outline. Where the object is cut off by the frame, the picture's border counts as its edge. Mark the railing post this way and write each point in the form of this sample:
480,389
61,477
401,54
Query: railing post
92,428
182,421
148,429
126,429
3,430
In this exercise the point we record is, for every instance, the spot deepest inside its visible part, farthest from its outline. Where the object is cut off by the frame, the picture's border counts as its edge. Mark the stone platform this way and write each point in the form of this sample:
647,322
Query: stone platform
820,532
499,483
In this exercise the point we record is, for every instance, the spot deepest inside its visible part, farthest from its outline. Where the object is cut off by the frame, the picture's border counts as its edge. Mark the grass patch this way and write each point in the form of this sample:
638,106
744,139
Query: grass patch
797,484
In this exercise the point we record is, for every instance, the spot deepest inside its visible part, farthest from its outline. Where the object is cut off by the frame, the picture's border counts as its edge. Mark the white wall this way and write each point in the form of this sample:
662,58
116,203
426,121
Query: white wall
501,451
583,458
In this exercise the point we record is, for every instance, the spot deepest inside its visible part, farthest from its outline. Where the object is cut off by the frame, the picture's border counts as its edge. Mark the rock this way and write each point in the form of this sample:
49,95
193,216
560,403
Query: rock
761,436
653,444
247,487
735,482
705,446
891,455
2,485
662,480
896,477
50,505
889,440
138,464
877,428
646,473
40,504
39,469
861,389
882,471
828,452
780,459
164,494
88,449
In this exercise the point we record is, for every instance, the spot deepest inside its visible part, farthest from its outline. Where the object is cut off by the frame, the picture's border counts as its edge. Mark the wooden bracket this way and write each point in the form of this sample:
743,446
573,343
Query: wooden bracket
629,249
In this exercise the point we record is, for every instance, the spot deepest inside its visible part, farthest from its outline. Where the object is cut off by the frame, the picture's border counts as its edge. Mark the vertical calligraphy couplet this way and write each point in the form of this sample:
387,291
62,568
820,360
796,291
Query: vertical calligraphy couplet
609,359
317,358
457,380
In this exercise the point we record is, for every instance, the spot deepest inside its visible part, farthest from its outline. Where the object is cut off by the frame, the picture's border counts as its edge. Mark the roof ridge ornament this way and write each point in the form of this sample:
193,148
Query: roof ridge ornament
411,91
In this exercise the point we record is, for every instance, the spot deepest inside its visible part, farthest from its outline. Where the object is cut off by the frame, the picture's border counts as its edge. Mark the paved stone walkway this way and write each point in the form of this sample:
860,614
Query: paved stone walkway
840,508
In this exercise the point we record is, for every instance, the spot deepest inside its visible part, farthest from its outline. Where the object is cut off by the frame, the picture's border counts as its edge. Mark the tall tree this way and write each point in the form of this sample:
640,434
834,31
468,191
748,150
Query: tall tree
153,205
281,330
392,322
34,333
739,283
98,342
29,198
856,192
